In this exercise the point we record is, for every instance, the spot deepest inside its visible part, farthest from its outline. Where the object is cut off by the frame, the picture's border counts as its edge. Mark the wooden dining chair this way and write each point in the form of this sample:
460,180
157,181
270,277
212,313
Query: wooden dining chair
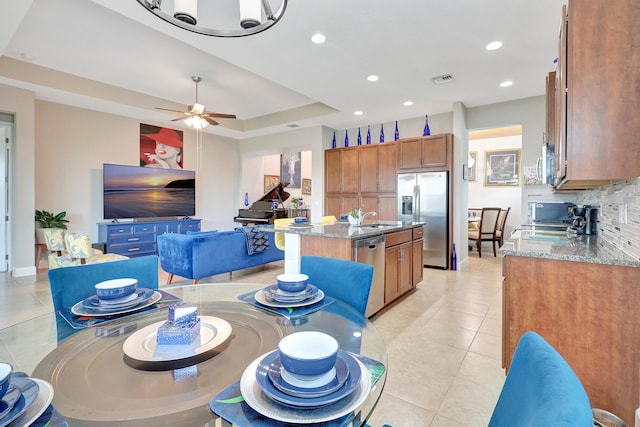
486,231
502,221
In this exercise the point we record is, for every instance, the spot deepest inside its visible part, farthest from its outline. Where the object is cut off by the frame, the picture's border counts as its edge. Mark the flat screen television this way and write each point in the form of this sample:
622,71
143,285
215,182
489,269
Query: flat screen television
142,192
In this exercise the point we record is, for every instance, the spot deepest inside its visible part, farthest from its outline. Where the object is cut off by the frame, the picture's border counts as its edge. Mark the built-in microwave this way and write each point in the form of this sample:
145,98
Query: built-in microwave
544,165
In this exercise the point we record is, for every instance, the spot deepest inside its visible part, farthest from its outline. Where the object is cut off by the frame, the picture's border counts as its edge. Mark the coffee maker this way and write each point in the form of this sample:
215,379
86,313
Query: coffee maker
585,219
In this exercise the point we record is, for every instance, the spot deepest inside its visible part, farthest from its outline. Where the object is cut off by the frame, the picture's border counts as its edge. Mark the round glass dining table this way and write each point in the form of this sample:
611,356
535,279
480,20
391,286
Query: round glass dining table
97,382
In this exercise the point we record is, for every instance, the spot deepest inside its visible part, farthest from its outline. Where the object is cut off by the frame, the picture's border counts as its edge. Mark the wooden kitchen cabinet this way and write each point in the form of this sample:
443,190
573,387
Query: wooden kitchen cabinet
384,205
338,204
598,83
586,311
431,152
341,170
398,267
417,256
378,164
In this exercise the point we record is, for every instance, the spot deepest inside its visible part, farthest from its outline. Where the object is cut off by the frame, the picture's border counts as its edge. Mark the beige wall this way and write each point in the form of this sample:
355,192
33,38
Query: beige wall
21,237
73,143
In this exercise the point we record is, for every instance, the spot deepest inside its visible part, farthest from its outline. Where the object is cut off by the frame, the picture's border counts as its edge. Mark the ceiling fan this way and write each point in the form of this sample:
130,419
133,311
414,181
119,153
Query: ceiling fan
196,115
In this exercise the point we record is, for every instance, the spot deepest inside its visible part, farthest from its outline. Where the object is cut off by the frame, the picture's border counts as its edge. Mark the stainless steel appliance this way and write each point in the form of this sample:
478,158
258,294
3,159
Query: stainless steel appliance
550,212
584,220
424,197
370,250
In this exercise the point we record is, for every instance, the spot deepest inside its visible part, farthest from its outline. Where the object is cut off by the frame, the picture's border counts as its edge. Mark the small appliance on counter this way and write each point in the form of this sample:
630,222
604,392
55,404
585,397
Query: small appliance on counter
585,220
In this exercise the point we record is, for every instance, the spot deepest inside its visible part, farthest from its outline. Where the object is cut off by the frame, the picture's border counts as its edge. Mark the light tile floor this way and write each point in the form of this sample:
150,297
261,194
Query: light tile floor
443,340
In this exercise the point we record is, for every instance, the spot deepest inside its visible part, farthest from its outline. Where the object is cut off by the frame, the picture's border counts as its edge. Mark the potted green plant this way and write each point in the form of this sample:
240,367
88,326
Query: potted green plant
46,219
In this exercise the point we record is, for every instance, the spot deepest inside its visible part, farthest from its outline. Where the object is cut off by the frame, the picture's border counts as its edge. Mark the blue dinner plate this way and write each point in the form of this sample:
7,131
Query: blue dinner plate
93,302
274,366
28,392
349,386
274,293
9,400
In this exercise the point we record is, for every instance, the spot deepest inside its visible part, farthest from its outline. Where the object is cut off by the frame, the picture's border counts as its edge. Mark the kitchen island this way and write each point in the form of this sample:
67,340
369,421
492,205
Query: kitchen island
582,294
398,268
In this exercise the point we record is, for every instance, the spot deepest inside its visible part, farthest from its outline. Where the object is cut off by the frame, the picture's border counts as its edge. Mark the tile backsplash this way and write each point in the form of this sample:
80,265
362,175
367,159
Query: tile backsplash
620,228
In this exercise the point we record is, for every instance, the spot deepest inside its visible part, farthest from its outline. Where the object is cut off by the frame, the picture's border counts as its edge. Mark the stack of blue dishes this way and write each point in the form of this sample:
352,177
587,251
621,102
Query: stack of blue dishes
307,371
17,394
117,294
291,288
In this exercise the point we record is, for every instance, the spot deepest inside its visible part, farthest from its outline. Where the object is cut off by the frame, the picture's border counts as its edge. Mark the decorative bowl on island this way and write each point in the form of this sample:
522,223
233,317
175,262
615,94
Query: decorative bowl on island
308,353
292,282
5,377
116,288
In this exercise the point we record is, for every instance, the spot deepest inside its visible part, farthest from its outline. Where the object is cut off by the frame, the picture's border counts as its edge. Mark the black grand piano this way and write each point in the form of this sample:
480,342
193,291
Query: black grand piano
261,211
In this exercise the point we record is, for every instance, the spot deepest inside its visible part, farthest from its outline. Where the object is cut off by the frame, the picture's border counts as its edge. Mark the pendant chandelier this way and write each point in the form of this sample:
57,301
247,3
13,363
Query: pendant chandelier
222,18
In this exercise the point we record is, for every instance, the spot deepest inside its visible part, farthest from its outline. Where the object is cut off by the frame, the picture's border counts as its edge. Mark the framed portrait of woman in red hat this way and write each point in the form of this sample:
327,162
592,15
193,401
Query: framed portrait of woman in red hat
160,147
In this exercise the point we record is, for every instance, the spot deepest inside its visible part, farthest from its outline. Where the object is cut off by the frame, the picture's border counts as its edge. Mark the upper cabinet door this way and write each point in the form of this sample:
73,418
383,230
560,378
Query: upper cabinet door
350,175
410,153
333,170
387,164
369,159
434,151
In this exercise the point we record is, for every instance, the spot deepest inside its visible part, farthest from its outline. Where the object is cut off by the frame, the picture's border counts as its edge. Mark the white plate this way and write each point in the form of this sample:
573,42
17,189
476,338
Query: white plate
260,297
42,402
261,403
142,344
80,310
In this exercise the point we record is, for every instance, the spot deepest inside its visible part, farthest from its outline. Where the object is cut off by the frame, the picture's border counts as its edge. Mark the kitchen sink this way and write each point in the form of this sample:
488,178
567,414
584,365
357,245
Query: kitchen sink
377,225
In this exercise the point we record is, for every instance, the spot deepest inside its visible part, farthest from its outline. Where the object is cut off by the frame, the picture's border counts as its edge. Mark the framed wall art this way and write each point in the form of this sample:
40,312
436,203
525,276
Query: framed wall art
290,170
473,176
270,181
306,186
502,168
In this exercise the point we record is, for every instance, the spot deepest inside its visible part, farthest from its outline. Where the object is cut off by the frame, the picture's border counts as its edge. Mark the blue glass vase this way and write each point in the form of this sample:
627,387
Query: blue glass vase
426,131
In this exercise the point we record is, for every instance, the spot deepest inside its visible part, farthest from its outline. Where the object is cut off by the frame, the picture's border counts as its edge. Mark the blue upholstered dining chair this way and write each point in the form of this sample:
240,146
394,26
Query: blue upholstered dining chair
71,284
348,281
541,389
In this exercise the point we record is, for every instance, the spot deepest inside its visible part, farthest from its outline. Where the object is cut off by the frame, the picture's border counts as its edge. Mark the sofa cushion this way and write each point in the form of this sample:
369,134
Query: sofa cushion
201,233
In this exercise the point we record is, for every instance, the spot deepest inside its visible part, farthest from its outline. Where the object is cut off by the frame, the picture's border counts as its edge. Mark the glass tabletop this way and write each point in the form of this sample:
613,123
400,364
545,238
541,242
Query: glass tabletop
97,383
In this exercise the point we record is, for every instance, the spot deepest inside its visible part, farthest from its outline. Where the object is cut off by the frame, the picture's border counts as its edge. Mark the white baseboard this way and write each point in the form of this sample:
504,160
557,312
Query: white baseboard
24,271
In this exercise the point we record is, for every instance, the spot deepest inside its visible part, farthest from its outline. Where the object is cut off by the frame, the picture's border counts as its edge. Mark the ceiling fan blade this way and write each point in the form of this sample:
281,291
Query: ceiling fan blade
210,120
221,116
176,119
168,109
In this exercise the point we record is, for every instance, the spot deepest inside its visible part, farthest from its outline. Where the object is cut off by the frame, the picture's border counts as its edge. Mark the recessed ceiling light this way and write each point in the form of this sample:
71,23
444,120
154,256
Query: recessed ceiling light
407,103
358,113
494,45
506,84
318,38
372,78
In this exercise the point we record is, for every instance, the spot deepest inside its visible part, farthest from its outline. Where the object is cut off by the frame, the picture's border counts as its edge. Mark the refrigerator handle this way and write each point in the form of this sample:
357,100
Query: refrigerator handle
416,203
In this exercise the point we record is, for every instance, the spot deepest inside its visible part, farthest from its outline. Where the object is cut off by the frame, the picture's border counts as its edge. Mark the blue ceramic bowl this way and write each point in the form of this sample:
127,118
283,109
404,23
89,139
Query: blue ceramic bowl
5,377
300,219
292,282
116,288
308,353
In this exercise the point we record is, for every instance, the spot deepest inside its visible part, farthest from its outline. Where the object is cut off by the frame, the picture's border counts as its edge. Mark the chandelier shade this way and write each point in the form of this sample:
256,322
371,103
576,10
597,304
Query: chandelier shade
222,18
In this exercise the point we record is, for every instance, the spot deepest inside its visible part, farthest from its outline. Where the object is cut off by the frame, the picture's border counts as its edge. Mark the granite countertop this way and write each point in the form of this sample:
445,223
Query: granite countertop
564,247
343,230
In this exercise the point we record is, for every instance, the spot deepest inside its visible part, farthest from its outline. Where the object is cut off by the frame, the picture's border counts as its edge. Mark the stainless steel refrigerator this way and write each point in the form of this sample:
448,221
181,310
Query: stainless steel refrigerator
424,197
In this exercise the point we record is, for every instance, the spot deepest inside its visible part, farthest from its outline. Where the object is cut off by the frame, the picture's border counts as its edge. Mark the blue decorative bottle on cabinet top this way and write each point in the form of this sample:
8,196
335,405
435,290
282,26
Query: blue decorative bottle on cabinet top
346,138
359,137
381,132
333,143
396,134
426,131
368,134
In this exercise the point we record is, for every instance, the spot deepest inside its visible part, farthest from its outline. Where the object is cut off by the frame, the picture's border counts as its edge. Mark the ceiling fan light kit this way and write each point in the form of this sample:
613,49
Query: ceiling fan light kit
219,19
196,115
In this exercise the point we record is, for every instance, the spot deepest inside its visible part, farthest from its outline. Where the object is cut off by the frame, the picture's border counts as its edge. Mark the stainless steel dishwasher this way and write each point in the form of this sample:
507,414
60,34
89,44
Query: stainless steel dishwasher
370,250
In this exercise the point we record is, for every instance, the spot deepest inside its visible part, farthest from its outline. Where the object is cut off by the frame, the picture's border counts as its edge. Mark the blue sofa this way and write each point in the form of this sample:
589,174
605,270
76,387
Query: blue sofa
204,254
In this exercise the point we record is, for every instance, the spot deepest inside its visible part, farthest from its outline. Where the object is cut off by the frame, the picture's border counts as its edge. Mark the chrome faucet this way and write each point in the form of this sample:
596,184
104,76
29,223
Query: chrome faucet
372,213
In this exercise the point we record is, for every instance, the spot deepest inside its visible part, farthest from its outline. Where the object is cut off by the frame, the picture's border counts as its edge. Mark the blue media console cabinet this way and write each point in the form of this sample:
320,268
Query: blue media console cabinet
140,238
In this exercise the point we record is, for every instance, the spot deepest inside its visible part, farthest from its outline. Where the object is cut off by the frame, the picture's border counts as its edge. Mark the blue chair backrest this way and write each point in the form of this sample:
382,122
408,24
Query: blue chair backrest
541,389
348,281
72,284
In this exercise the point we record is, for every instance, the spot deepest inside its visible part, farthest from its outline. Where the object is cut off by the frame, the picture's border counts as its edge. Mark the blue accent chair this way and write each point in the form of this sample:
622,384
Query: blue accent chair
541,389
74,283
348,281
71,284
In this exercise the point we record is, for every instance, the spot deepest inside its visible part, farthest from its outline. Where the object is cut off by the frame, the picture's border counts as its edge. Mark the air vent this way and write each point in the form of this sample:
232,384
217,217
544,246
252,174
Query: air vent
445,78
293,125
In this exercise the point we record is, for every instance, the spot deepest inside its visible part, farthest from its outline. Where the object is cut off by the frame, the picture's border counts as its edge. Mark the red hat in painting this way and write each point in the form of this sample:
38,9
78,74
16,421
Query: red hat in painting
166,136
